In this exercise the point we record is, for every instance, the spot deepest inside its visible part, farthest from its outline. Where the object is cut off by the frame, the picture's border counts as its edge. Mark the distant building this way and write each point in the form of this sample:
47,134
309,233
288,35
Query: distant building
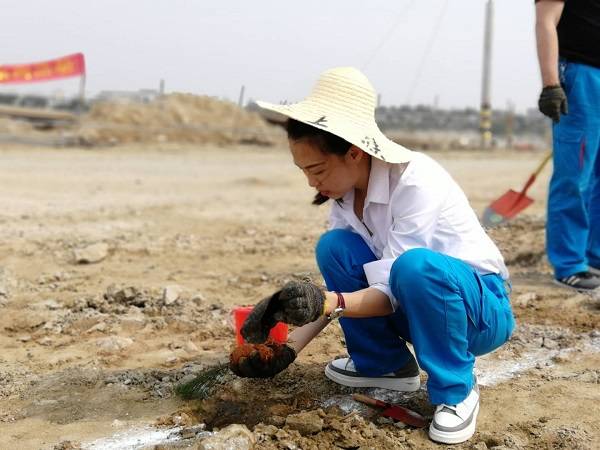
140,96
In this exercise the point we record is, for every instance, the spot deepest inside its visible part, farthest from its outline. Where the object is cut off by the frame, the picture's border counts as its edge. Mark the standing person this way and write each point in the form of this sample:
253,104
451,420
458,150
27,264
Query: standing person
405,260
568,44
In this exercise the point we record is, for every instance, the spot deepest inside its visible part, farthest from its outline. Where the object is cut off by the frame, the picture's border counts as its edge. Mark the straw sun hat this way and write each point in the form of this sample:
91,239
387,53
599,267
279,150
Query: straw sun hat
342,102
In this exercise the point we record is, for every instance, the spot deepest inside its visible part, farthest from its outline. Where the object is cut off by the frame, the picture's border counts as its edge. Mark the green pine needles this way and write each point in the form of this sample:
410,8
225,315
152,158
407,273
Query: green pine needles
203,385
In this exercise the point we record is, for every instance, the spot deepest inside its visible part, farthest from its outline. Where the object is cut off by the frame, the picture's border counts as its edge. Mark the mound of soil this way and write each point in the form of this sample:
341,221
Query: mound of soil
175,118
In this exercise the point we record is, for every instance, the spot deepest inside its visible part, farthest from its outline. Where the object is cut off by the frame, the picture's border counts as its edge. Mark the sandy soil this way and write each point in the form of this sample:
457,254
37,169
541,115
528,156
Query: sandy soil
94,350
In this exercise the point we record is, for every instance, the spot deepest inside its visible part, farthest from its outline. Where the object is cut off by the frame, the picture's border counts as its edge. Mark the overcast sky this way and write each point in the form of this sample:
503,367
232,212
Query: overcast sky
411,50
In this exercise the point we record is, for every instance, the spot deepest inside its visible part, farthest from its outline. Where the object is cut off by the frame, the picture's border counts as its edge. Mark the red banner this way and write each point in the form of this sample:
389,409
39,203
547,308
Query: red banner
67,66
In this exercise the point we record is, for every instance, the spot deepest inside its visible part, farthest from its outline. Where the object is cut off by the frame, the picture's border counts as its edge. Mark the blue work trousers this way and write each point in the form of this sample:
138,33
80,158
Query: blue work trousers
573,226
446,310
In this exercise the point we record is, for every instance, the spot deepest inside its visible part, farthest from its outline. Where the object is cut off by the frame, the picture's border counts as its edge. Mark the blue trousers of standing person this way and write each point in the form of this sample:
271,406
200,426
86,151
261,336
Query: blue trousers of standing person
446,310
573,226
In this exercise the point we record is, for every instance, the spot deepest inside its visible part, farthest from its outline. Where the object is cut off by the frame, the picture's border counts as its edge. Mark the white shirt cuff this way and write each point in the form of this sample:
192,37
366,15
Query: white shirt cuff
378,277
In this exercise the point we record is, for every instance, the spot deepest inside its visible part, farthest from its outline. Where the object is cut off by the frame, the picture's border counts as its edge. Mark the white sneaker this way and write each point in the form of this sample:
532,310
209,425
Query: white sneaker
453,424
343,372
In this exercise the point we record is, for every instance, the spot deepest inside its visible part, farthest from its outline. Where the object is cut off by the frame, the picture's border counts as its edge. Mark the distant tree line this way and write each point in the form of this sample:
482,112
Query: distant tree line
424,118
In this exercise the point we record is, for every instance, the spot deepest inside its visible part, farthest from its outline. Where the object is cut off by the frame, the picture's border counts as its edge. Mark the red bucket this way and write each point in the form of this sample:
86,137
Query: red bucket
279,333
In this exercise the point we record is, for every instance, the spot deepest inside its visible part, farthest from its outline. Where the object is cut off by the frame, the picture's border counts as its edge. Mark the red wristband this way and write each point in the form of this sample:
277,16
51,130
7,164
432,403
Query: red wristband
341,301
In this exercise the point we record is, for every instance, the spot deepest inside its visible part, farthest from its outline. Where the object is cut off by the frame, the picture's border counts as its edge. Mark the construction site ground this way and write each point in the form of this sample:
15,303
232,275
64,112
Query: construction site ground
181,235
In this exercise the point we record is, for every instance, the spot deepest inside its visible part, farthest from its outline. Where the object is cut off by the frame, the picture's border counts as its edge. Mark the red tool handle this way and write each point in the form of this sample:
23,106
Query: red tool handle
370,401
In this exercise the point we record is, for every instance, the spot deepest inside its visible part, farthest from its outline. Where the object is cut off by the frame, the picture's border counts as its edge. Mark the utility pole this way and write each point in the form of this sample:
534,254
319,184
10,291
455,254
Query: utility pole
510,124
241,97
486,102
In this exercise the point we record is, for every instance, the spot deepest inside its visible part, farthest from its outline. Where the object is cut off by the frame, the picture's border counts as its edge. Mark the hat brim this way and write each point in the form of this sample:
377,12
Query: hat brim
372,141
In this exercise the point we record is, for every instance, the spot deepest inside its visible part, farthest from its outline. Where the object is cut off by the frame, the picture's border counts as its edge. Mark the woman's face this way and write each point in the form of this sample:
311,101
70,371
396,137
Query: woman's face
332,175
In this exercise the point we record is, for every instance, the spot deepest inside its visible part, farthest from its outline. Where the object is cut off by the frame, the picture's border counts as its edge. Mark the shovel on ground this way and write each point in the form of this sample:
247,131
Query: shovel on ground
511,202
396,412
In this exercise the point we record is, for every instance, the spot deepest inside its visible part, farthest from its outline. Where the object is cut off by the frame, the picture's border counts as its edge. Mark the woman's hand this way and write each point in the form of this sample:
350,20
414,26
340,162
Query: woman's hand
259,322
297,303
300,303
261,360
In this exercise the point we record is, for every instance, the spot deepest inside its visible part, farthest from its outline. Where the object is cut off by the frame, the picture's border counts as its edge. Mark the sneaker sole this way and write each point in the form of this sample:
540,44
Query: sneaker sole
410,384
583,291
455,437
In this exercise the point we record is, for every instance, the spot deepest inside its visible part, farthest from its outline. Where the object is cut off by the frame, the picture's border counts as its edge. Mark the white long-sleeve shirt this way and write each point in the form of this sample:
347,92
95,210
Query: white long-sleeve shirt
416,205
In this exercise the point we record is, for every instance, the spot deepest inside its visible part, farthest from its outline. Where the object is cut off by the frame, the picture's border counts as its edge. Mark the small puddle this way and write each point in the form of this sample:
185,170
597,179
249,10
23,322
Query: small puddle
492,370
135,438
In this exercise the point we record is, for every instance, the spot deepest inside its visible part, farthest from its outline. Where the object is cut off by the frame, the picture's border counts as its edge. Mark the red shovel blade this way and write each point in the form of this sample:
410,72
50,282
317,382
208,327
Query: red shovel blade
511,204
505,208
396,412
405,415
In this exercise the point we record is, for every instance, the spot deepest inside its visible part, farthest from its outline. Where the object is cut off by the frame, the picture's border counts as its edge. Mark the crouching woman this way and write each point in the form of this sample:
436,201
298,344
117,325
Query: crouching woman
405,261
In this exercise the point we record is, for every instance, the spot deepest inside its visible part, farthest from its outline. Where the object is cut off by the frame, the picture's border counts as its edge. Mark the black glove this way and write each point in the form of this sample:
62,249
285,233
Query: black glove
300,303
259,322
261,360
297,303
553,102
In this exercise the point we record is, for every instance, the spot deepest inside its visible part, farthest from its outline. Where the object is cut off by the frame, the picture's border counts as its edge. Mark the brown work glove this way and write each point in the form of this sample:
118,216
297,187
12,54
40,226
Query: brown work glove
261,360
553,102
297,303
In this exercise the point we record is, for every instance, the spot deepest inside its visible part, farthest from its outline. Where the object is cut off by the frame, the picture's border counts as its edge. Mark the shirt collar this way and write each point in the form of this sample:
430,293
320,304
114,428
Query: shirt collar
379,183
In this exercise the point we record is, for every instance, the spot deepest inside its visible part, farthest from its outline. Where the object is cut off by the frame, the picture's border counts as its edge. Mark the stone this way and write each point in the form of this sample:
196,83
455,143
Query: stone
266,430
51,304
281,435
232,437
46,341
309,422
101,327
29,321
382,420
549,343
68,445
400,425
198,299
132,323
190,347
193,432
480,446
171,294
128,295
113,344
525,299
277,421
117,423
588,377
182,420
91,254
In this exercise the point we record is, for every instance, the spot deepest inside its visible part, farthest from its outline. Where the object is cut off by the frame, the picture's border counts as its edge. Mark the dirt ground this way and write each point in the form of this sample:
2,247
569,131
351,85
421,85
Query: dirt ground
184,234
